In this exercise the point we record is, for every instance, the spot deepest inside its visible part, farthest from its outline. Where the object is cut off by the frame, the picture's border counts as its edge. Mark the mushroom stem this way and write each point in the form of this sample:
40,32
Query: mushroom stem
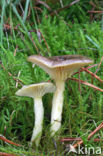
38,124
56,114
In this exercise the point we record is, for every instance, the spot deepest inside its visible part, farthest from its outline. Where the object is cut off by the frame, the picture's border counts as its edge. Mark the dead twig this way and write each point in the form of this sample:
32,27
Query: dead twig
90,135
18,77
43,3
99,65
81,70
6,154
37,8
34,44
17,80
44,41
78,139
65,7
8,27
94,75
8,141
87,84
95,12
79,84
15,50
93,8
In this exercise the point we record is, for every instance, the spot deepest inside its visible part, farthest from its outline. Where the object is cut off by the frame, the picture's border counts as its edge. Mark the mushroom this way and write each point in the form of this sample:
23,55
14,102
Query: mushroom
59,68
36,91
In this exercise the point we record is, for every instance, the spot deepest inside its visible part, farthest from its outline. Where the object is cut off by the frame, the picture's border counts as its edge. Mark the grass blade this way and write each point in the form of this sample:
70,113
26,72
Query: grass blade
95,44
20,19
102,23
2,21
26,9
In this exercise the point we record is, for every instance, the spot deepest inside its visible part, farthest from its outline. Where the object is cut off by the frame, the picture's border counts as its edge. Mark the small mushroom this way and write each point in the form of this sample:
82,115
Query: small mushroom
59,68
36,91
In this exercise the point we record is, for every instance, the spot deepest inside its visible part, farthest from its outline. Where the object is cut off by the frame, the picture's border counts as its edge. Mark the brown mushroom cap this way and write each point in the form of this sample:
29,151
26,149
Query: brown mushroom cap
60,67
36,90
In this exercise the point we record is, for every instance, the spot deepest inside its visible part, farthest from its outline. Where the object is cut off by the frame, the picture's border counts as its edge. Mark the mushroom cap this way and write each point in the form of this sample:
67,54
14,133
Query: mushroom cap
36,90
60,67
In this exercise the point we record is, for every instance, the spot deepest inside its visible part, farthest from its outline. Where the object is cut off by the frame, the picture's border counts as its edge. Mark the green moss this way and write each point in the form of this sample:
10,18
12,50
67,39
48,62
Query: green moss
82,111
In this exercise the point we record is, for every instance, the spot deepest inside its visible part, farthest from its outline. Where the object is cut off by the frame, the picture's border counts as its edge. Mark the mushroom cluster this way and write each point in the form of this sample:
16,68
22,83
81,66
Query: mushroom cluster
59,68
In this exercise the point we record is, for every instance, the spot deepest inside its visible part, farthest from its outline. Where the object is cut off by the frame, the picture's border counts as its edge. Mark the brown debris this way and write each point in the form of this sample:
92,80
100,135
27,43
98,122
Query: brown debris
63,8
8,141
90,135
87,84
17,80
6,154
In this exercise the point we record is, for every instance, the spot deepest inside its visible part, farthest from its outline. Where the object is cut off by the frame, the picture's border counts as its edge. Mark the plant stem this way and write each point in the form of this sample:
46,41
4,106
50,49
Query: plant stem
56,114
38,124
